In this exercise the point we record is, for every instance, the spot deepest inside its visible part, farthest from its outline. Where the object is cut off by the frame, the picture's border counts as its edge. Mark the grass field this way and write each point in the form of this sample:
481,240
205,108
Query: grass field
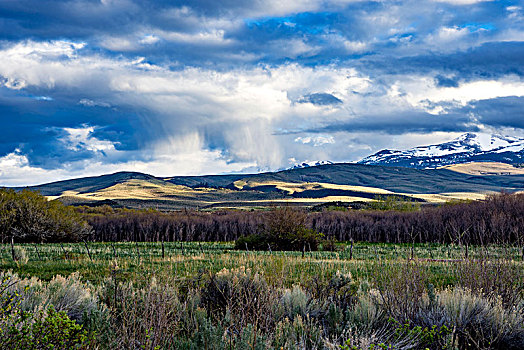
485,168
183,259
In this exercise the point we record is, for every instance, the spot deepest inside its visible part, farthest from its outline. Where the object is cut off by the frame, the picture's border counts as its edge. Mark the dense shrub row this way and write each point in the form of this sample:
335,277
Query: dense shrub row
27,216
498,219
397,308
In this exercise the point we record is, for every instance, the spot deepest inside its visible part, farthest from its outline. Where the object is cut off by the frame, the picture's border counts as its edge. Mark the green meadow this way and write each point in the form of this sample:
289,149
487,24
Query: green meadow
139,260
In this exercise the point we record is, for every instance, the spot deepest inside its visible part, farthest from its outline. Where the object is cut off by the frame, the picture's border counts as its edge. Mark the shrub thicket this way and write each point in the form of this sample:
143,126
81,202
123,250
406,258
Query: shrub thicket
285,229
27,216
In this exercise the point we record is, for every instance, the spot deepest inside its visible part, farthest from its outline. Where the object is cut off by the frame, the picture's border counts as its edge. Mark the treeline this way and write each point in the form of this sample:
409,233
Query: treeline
188,225
498,219
27,216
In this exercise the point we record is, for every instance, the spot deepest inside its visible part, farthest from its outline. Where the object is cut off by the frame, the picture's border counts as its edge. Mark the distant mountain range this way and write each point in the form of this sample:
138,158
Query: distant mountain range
469,147
468,167
342,182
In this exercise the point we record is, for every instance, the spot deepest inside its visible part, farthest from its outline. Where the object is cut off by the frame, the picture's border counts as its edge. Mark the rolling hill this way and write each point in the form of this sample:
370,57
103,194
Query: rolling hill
312,185
485,168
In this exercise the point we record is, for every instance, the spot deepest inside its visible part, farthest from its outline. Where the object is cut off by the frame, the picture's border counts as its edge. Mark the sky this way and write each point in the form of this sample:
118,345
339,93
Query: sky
168,88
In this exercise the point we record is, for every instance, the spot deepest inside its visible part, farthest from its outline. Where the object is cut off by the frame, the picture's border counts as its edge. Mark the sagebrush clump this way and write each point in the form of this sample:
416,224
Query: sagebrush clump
239,309
43,329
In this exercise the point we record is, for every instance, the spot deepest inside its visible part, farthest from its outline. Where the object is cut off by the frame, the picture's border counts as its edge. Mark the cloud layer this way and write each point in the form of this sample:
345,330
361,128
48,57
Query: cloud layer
172,87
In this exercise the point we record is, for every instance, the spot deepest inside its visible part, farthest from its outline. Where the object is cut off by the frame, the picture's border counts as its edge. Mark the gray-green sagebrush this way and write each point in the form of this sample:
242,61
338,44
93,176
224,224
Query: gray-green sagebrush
205,295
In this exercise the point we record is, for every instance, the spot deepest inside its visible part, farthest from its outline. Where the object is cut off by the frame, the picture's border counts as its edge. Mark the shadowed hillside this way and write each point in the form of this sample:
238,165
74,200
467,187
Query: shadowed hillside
396,179
305,186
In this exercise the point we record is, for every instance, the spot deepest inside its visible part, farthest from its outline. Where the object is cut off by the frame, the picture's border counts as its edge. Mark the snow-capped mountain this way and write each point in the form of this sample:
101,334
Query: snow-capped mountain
310,164
469,147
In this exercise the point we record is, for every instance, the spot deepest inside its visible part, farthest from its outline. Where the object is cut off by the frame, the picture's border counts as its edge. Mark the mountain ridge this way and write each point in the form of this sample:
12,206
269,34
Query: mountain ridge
304,186
308,164
468,147
420,174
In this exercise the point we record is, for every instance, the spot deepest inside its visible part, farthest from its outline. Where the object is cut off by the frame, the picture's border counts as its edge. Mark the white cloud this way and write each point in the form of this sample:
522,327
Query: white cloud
355,46
410,140
14,84
451,33
43,50
315,140
211,37
419,90
90,103
43,98
293,48
130,42
149,39
78,139
15,168
119,43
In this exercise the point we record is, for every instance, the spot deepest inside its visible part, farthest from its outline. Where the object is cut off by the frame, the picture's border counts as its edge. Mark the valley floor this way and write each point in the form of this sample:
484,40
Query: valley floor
138,260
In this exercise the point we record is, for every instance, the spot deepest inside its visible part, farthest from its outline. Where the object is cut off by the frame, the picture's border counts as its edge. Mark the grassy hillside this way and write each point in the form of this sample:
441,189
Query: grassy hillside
395,179
90,184
309,186
485,168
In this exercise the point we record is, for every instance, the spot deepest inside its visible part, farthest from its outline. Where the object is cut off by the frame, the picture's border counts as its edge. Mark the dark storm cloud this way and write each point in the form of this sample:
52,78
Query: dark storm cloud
443,81
490,60
256,27
37,126
45,19
401,123
507,112
500,112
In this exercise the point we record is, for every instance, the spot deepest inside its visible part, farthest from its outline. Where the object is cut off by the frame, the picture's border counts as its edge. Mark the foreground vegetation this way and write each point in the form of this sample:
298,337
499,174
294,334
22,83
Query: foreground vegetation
199,295
449,277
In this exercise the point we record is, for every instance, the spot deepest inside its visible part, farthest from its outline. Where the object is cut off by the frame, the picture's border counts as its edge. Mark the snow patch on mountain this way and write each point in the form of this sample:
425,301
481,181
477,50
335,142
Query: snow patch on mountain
465,148
308,164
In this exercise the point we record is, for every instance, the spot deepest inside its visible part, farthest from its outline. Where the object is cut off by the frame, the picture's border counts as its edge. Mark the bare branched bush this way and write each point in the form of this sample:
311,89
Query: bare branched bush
242,295
299,333
144,318
496,220
401,287
492,278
